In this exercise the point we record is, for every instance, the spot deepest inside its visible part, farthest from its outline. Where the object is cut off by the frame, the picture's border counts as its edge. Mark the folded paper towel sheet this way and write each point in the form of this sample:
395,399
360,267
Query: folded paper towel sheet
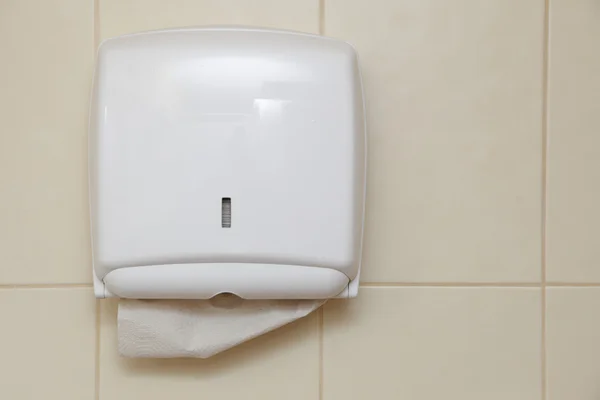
200,328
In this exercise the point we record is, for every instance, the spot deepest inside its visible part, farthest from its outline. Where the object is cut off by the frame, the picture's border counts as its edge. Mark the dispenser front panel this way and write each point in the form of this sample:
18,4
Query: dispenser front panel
227,145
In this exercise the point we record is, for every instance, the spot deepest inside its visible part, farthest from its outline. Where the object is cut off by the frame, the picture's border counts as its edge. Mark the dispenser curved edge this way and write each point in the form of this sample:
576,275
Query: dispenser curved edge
204,281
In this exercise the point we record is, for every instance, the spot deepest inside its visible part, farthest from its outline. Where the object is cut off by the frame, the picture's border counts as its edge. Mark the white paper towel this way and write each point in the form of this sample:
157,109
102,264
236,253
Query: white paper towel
200,328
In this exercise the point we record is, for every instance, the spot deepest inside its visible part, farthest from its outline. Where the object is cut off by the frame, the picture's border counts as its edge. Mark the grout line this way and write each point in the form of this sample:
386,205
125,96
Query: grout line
482,284
544,373
96,36
47,286
572,285
97,361
366,284
544,177
321,17
96,23
449,284
320,326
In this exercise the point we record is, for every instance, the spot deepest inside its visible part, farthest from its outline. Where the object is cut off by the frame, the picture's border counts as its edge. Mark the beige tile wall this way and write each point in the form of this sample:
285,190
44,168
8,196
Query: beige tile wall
481,277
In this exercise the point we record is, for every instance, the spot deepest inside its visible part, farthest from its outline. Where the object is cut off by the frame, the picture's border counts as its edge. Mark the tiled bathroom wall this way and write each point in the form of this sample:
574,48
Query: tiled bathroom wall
481,269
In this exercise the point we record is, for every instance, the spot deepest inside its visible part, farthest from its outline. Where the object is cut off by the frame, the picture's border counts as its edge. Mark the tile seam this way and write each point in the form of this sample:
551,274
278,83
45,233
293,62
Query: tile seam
321,17
96,42
46,286
544,177
97,353
320,325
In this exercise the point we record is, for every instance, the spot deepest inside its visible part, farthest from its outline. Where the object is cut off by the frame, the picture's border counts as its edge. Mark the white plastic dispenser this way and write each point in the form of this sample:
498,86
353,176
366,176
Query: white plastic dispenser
226,160
223,160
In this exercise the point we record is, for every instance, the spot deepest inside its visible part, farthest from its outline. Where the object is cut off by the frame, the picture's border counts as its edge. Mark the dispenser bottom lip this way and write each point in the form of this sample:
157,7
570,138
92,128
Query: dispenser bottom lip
206,280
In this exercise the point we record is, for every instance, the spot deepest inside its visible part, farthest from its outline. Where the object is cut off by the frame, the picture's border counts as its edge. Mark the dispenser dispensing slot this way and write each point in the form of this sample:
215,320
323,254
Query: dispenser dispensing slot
226,212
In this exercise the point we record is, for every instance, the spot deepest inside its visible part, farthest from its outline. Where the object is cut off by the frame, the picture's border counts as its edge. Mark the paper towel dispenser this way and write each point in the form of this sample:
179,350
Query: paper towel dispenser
227,160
